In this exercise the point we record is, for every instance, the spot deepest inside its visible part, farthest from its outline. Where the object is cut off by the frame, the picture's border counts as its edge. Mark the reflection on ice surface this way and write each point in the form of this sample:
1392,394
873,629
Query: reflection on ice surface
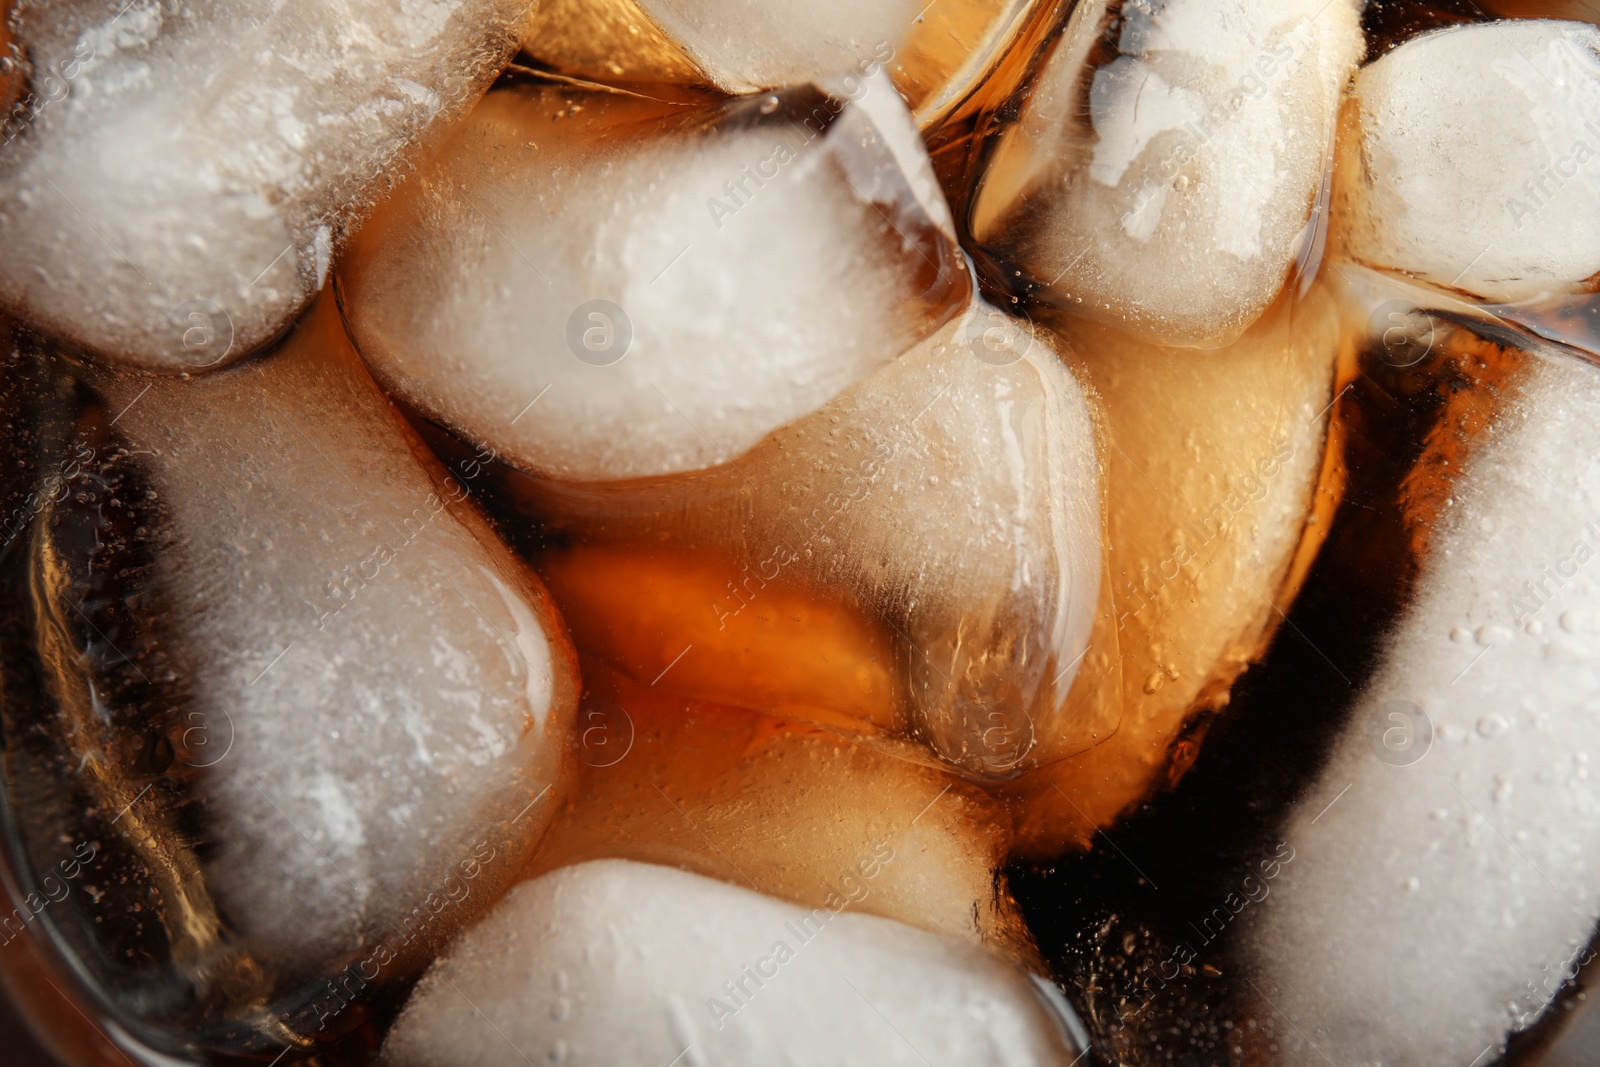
1162,173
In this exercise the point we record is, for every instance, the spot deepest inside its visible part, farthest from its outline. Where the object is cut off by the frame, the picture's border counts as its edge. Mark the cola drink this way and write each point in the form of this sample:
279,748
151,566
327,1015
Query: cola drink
1002,531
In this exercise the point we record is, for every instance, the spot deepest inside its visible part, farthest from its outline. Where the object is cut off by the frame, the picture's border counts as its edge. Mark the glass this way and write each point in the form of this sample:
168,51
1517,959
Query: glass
1009,531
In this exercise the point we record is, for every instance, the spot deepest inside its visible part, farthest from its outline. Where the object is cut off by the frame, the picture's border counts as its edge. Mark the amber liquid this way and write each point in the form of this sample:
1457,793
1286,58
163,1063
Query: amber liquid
753,728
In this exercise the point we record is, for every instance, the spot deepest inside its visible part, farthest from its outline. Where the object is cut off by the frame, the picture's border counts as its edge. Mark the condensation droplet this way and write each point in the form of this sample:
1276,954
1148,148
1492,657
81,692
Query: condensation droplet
1492,635
1493,726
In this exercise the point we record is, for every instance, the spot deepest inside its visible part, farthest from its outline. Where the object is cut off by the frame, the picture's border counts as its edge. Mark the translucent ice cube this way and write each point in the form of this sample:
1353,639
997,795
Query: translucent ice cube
174,185
784,809
936,53
1474,163
600,286
1214,514
1443,883
292,696
954,494
1162,178
634,964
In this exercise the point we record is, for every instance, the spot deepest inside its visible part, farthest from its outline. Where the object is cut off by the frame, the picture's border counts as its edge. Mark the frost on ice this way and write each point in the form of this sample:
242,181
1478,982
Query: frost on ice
1167,190
298,685
634,963
1442,901
1475,163
602,287
173,188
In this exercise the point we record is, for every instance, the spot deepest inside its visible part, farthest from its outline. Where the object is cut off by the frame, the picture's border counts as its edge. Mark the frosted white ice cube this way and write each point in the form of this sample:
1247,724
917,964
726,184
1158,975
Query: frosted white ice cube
1167,189
602,287
173,190
635,965
955,494
384,687
1476,163
1445,861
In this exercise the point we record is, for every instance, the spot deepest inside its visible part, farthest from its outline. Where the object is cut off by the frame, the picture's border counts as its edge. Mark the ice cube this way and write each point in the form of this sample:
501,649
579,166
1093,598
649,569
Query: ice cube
1215,511
633,964
784,809
299,702
954,494
174,184
676,621
1162,178
1443,881
600,286
1474,164
936,53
